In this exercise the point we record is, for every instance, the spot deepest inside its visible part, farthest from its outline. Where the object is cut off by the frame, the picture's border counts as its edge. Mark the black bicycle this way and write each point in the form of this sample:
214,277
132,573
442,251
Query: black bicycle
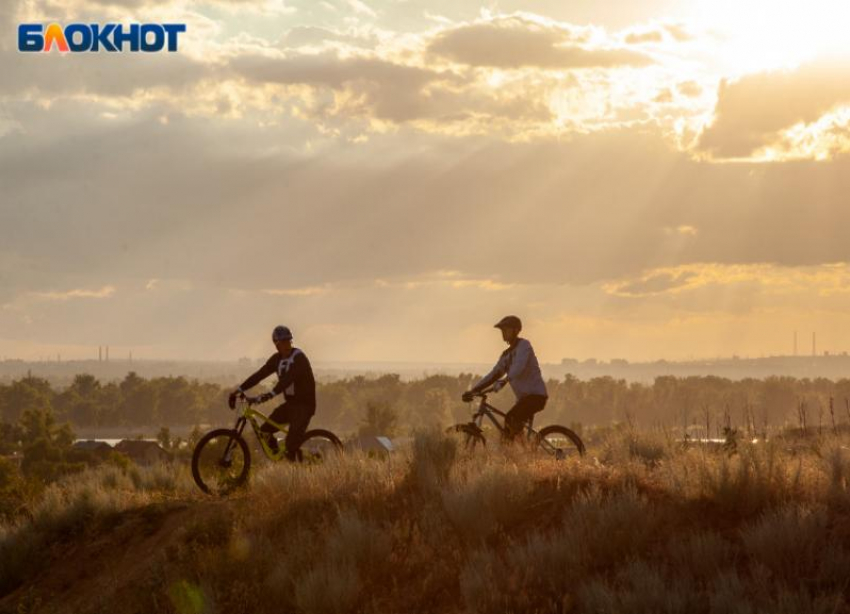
221,459
559,441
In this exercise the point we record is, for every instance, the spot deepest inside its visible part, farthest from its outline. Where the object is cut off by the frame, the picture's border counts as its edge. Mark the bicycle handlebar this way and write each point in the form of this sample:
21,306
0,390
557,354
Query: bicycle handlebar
480,394
249,400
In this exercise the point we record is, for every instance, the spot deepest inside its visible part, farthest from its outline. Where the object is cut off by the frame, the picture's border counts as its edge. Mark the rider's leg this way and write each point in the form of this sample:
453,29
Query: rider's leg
520,413
279,415
299,420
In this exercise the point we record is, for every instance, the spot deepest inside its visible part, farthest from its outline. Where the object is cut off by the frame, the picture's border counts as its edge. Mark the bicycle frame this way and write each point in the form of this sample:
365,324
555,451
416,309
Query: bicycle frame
485,409
246,414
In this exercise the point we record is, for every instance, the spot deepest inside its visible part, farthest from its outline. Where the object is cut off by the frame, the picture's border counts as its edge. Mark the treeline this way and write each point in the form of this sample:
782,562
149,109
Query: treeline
345,404
134,401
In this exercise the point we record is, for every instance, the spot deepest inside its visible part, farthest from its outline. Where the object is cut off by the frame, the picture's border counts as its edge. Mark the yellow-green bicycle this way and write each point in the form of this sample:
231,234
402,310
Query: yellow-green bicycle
221,460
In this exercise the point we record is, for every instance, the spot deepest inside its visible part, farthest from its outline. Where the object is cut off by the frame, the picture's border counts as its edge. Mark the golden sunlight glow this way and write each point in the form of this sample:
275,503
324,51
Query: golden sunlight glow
757,35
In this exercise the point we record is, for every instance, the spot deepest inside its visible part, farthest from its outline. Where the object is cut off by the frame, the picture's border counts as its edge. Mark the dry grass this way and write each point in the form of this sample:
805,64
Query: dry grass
640,525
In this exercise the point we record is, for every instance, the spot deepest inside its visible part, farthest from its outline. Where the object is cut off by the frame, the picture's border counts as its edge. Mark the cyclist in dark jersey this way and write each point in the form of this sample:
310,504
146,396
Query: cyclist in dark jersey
518,364
295,382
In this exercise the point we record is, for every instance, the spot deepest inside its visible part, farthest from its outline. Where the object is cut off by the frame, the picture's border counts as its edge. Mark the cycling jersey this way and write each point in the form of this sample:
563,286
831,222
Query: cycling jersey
520,365
295,377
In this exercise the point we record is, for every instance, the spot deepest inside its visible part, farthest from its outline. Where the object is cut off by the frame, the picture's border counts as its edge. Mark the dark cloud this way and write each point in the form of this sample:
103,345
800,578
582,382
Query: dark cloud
388,90
752,111
330,70
89,203
118,74
514,42
195,200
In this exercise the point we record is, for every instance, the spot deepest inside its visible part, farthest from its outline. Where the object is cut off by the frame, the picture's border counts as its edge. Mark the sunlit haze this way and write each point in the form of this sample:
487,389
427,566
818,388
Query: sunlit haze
634,179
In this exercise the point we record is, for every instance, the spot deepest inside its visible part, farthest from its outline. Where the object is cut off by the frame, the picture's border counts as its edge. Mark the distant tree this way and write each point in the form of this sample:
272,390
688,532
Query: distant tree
11,436
81,402
47,446
179,401
139,400
380,419
24,394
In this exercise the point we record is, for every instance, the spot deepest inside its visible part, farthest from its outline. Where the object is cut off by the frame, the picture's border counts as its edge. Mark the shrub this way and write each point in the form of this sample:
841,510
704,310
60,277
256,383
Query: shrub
433,457
492,498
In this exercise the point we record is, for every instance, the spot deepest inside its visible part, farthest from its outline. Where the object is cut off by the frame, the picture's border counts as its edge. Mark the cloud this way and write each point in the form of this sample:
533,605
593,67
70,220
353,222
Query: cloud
645,36
370,87
313,36
657,33
516,41
684,230
104,292
107,75
444,279
691,89
574,219
679,32
305,291
767,278
361,8
752,112
279,6
655,282
331,70
380,87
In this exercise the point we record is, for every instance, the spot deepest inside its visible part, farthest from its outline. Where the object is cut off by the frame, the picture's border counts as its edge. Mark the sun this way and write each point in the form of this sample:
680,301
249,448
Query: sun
756,35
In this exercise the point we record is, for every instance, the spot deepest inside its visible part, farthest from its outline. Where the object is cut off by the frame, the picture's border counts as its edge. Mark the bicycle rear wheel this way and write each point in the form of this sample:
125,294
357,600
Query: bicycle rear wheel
318,446
220,462
560,442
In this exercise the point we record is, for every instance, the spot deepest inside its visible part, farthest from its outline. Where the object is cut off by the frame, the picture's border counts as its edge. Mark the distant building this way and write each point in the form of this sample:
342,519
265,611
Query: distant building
142,451
92,445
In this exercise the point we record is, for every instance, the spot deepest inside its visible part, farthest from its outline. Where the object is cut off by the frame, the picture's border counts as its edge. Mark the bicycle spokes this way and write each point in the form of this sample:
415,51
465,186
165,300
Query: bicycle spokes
316,449
221,464
560,442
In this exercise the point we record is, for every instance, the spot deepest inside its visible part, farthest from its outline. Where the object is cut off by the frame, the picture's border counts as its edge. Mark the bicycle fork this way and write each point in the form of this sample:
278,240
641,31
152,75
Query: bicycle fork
226,458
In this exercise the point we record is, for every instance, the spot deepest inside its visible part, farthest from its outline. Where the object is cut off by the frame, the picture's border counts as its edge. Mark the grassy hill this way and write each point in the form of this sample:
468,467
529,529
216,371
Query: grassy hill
639,525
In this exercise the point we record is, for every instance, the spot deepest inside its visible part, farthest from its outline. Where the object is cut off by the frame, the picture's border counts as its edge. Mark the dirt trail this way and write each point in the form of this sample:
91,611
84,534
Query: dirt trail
109,565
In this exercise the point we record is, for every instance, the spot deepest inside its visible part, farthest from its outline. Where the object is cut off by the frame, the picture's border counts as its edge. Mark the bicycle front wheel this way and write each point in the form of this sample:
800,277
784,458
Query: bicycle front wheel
560,442
220,462
468,435
318,446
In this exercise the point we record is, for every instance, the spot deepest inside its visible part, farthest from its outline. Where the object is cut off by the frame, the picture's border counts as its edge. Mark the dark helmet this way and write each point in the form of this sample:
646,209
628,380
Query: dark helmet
509,322
281,333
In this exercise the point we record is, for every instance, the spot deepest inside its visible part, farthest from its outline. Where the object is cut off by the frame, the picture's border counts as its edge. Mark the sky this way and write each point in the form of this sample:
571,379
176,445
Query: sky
635,179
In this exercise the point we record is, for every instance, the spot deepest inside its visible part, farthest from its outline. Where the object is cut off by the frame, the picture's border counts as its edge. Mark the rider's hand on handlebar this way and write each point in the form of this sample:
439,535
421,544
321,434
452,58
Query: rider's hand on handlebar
263,397
468,396
231,400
